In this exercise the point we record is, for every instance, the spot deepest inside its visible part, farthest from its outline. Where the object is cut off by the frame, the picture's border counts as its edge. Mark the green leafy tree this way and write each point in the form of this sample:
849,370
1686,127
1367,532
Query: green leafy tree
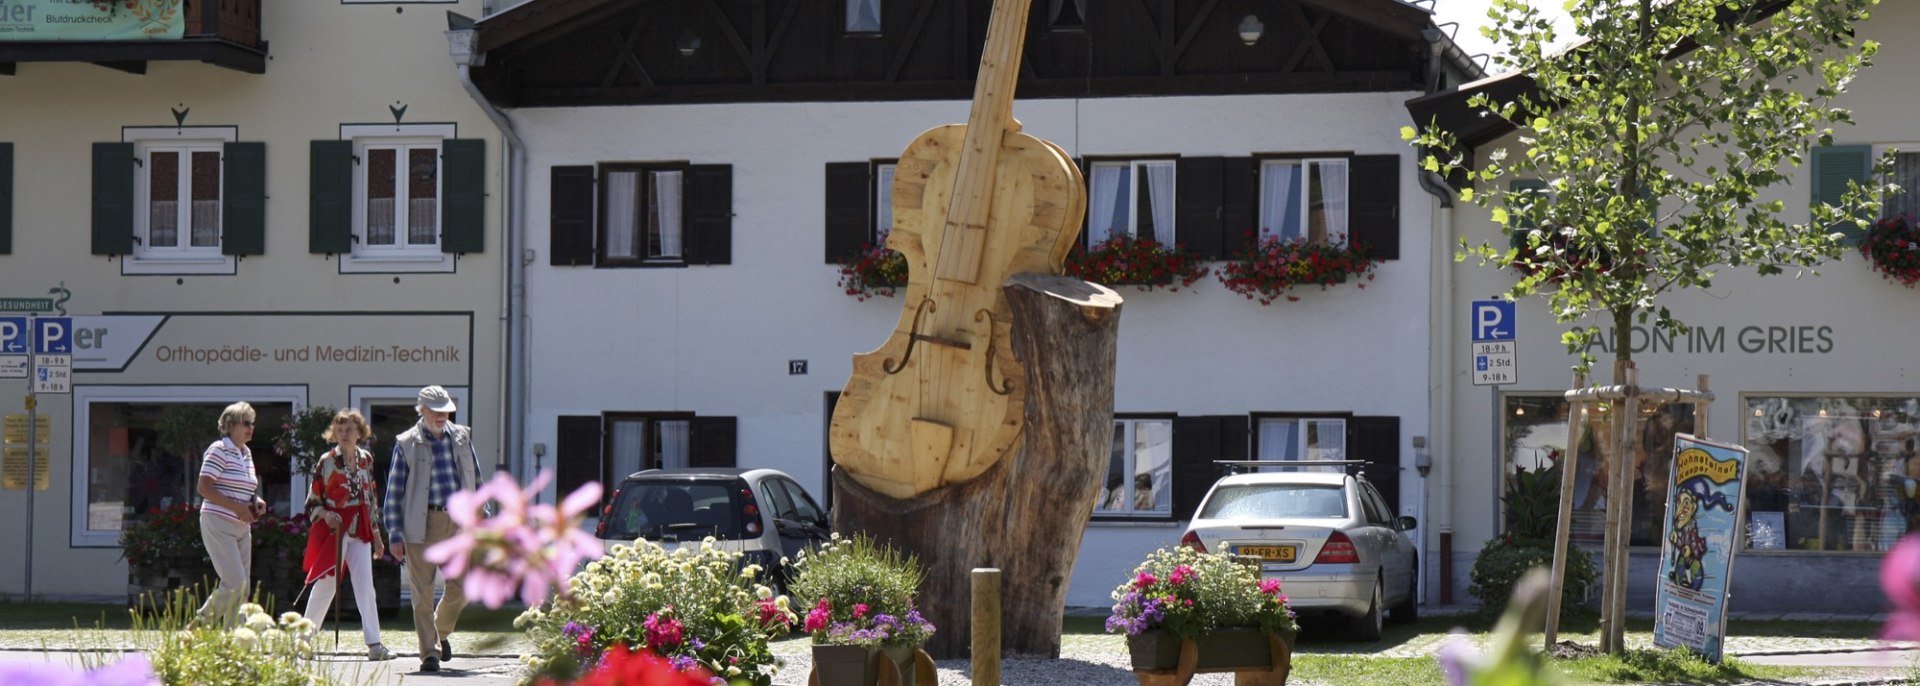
1659,140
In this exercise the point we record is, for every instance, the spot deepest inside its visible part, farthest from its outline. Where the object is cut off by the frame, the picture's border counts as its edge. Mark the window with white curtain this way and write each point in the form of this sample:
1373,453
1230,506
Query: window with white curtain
1302,438
1139,469
399,202
1131,198
863,16
1304,199
641,214
882,202
636,443
180,201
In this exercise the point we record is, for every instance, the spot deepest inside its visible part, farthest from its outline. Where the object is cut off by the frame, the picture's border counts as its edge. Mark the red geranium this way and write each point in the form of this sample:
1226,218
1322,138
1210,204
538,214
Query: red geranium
1271,267
621,667
1122,259
1893,246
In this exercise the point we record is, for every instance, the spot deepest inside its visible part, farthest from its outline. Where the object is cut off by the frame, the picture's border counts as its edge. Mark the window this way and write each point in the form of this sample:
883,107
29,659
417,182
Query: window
1302,438
803,507
139,448
863,16
1139,470
641,214
1272,501
1304,198
177,202
882,201
1831,472
1067,15
636,443
399,198
1132,198
1534,434
1906,174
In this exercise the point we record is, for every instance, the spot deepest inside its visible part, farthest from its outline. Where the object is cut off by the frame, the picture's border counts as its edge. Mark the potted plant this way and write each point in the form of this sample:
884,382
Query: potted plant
1122,259
1270,267
303,439
1186,611
696,606
1893,246
861,613
164,552
877,271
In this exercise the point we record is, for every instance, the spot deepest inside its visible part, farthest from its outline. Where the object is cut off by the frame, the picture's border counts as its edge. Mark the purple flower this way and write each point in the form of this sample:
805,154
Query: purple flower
697,644
682,663
1456,657
1900,581
133,671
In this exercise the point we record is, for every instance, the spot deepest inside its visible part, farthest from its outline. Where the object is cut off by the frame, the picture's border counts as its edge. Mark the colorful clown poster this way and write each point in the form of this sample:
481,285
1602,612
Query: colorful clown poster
1704,499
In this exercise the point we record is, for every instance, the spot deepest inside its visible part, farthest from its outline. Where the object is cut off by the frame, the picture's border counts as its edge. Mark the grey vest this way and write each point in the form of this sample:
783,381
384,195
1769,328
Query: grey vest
411,445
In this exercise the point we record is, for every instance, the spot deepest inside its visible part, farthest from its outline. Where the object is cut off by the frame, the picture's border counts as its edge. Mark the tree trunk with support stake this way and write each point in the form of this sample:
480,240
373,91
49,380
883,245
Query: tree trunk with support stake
1025,514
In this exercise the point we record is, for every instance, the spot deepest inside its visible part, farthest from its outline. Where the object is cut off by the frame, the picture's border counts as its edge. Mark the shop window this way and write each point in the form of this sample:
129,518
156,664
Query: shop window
1831,473
1534,437
140,456
1139,469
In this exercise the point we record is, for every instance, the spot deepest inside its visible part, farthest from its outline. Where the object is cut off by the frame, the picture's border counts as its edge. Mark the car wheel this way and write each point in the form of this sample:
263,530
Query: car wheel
1367,627
1408,610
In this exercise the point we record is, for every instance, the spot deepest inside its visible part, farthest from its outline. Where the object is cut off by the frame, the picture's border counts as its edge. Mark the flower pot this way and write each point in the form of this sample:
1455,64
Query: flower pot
1259,657
846,665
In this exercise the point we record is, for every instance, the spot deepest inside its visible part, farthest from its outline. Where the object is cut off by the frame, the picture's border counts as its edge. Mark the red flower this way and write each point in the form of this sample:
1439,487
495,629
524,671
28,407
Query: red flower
621,667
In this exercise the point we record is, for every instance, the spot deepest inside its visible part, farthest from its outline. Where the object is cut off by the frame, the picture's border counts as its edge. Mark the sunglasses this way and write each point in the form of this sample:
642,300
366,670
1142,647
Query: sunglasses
247,424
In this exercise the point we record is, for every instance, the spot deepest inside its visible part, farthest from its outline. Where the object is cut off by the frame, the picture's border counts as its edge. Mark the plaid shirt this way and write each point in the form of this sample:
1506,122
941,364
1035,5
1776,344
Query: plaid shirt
445,480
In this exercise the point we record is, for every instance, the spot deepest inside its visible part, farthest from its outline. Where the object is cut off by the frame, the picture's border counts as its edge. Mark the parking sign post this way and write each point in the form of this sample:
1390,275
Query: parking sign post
52,372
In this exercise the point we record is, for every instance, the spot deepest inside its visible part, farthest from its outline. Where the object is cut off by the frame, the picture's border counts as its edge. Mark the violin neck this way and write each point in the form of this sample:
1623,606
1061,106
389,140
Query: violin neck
964,238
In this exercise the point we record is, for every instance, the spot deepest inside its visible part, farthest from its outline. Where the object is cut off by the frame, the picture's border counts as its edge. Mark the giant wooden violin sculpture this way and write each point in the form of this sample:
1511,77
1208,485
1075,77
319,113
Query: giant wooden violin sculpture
942,400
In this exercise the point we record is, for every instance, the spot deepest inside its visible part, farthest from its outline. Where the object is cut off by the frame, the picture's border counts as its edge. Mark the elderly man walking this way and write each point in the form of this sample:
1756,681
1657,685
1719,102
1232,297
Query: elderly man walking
431,461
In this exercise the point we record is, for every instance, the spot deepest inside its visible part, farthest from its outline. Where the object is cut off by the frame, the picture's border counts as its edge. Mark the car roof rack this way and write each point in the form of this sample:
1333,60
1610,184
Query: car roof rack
1351,467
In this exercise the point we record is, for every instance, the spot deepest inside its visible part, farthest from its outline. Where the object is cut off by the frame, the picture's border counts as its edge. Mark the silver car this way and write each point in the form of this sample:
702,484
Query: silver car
1329,538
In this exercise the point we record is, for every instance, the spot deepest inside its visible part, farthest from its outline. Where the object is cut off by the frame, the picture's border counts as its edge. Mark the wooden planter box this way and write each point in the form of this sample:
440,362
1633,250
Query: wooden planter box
1255,658
841,665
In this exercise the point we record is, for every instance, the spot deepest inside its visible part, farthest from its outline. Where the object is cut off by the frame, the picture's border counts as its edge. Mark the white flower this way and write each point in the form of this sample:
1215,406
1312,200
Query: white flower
762,592
245,637
289,617
260,623
733,670
251,609
782,602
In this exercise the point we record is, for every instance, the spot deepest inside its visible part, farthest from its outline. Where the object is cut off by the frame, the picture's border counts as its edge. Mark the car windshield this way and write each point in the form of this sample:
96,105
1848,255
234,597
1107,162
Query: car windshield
1272,501
679,510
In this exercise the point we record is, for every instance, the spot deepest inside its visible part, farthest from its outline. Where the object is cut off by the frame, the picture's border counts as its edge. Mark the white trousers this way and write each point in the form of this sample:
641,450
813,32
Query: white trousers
359,563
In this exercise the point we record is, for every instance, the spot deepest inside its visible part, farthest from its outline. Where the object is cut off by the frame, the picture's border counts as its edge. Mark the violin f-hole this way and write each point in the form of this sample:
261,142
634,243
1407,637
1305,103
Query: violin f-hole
926,305
1005,387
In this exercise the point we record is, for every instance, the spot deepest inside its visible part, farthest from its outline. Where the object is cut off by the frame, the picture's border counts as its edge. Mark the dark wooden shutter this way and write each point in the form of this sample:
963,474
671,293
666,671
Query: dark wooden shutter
243,199
112,198
330,197
463,200
576,454
570,216
708,216
1197,443
1833,168
713,441
1197,223
6,198
1239,218
1373,191
1377,440
849,219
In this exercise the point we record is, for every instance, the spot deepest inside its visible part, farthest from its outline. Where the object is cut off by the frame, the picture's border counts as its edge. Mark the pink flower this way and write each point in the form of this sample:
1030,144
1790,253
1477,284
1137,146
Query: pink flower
1270,586
1144,580
859,610
819,617
1900,581
1180,575
533,547
663,632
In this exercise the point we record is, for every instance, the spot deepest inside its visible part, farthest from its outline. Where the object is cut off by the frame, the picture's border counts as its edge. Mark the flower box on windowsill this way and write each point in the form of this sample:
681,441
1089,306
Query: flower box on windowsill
1122,260
877,271
1271,267
1892,246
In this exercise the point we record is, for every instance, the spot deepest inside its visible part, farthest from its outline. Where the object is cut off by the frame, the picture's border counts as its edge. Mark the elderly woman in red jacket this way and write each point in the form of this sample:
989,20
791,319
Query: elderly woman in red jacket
343,499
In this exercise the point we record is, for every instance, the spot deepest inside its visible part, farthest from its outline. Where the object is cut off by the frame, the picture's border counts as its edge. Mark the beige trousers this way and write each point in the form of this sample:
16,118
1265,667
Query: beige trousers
432,623
230,545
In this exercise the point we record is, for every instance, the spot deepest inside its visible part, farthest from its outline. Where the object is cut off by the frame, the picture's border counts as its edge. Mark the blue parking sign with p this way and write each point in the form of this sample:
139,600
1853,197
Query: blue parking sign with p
53,335
1492,320
13,335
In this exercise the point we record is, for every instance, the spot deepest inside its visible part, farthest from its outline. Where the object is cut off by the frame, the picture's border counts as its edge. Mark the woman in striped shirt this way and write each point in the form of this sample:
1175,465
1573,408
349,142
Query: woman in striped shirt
228,487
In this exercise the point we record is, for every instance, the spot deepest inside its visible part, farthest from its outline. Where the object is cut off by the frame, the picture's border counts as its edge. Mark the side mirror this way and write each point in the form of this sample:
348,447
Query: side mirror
1407,523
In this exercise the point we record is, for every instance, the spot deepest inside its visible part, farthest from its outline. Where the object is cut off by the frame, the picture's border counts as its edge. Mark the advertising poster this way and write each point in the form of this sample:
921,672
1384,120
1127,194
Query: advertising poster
44,20
1701,532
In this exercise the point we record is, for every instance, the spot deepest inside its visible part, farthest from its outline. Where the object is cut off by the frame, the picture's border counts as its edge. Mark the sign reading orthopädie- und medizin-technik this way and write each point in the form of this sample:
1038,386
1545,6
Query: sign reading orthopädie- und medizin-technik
1701,532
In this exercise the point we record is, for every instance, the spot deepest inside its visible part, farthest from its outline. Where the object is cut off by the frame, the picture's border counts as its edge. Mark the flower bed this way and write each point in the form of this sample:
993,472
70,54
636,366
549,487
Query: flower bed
698,609
1893,246
164,552
1272,267
1122,260
878,271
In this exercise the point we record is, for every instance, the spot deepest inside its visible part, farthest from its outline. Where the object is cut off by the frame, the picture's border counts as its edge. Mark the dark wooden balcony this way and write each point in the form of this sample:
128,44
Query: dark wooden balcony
223,33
